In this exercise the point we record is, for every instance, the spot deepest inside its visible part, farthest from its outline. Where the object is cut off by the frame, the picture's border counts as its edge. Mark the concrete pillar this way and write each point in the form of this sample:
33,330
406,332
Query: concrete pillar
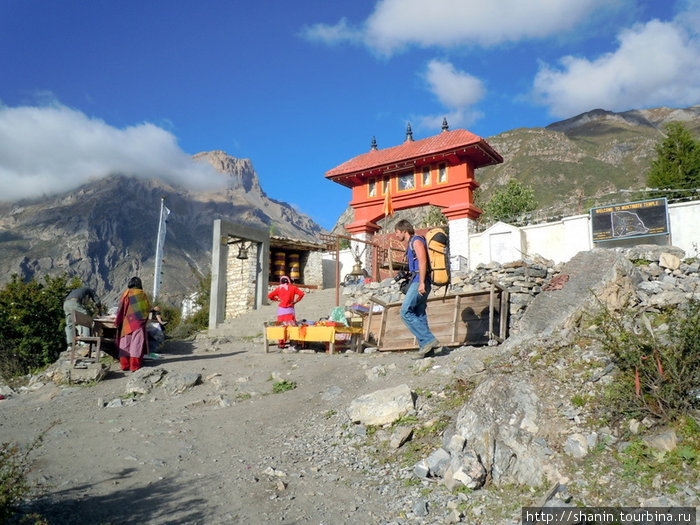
460,229
259,249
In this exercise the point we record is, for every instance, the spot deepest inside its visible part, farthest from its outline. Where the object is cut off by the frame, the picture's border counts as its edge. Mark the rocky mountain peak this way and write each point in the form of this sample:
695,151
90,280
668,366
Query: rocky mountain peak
240,170
104,231
654,118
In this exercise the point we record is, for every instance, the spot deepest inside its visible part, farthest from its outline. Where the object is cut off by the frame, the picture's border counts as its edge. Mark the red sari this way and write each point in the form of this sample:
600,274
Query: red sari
132,314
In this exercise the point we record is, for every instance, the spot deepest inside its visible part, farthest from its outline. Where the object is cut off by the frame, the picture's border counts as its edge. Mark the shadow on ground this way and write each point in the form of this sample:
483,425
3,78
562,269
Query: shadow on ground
163,501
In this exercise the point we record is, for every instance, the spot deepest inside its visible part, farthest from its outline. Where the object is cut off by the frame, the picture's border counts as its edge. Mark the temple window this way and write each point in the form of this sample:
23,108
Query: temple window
372,188
442,173
425,181
385,185
406,181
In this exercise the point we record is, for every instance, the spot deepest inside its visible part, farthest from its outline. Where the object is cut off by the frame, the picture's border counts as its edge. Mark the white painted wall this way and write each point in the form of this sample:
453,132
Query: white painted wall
684,219
558,241
561,240
347,260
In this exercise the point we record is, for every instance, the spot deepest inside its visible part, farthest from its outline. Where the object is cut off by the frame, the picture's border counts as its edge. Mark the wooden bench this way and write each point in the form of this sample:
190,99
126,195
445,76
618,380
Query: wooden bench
85,321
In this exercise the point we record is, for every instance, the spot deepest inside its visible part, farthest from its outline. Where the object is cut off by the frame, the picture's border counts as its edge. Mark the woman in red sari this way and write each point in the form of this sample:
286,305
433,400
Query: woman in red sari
132,314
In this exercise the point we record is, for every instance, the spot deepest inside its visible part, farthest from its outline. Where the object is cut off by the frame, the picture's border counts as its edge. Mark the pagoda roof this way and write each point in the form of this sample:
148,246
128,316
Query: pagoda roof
459,142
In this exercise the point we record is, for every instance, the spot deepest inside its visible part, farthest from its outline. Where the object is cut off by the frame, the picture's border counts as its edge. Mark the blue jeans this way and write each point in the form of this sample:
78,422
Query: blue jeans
414,315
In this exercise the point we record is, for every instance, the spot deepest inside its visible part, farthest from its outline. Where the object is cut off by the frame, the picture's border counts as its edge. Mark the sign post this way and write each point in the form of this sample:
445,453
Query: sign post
630,220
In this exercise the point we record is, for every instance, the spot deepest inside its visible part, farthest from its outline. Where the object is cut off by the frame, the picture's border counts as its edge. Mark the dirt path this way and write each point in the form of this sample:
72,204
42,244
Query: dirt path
226,451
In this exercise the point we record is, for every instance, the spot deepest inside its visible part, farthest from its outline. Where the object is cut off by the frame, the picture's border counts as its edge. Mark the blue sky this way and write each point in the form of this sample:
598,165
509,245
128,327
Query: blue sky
132,86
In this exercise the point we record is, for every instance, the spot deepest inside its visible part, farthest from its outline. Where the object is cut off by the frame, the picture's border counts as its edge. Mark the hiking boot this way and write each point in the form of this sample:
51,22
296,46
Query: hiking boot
427,349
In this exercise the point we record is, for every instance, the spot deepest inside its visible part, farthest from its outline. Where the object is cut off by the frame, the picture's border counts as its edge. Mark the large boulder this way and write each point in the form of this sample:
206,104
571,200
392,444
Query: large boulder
500,423
595,277
383,406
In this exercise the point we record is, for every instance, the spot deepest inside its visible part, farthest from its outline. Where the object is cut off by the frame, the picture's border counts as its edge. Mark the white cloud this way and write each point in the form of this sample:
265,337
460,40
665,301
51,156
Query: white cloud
456,90
396,24
51,149
654,64
332,34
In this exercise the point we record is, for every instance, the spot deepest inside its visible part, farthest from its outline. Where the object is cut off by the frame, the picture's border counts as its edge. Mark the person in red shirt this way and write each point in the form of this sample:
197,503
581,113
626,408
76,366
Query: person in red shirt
288,295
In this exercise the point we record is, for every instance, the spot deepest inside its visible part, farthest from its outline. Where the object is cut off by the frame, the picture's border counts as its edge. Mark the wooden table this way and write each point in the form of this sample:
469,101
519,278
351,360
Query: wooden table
104,327
310,333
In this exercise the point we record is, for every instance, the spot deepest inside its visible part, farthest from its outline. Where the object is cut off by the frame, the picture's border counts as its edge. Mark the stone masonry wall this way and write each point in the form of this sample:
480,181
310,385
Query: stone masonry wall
240,285
313,269
667,279
523,280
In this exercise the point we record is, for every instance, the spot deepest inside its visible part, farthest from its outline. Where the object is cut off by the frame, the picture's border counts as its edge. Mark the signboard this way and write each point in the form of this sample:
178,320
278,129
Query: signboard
630,220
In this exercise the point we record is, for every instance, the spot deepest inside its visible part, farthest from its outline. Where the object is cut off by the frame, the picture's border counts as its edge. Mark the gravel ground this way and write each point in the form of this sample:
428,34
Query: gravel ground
226,451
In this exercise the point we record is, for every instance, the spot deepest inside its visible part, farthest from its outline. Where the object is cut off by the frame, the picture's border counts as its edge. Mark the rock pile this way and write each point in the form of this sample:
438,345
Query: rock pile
522,279
522,428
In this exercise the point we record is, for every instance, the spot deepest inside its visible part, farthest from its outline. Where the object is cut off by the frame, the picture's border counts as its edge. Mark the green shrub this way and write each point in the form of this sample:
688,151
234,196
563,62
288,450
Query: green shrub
282,386
198,321
32,323
14,466
658,378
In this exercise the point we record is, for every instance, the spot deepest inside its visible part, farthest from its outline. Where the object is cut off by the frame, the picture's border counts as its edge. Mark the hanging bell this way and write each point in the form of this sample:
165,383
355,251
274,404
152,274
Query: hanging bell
357,269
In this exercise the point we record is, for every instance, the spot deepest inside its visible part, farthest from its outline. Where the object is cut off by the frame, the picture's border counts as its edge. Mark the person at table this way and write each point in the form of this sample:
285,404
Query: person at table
131,319
157,316
76,301
288,295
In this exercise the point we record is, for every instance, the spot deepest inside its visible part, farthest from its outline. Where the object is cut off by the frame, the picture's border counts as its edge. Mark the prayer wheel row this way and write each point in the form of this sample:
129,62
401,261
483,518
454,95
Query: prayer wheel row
283,263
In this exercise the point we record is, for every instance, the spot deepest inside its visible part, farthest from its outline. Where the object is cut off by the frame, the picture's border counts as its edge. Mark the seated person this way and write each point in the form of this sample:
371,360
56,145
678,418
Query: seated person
155,327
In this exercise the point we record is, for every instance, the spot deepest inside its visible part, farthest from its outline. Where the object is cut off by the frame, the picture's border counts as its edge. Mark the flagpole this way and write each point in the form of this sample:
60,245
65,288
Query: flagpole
160,241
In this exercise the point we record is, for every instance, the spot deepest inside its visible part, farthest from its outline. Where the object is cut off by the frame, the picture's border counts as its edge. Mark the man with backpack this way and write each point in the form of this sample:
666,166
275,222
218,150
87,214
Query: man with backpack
413,308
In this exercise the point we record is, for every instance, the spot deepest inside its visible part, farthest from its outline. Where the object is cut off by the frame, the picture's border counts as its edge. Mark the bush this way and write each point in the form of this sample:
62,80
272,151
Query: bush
32,323
658,378
510,202
14,467
200,319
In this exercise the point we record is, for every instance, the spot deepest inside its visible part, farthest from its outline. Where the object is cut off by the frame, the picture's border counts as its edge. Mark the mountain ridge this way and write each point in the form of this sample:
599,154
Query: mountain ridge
105,231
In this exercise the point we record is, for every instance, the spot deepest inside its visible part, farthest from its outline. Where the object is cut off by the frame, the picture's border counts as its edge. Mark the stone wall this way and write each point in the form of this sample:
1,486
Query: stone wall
523,279
665,279
240,281
313,269
240,284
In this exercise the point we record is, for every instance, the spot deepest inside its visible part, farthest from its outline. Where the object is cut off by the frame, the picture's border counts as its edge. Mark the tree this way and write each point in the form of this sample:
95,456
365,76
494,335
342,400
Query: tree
434,217
677,162
32,323
510,202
